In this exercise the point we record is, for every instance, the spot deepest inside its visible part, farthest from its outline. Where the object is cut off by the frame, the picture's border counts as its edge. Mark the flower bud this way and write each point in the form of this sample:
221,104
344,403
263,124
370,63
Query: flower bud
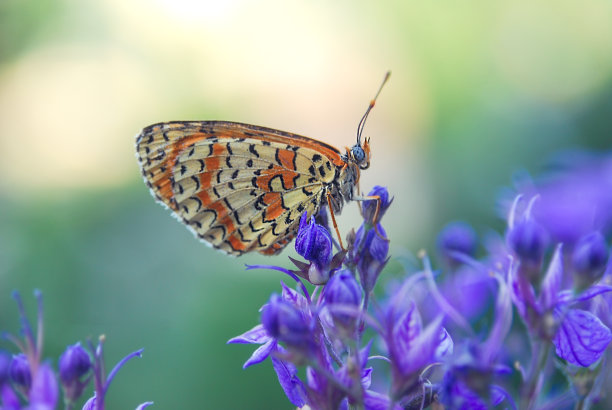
590,258
370,254
5,364
528,240
285,322
369,207
20,372
343,289
314,242
74,363
456,237
90,404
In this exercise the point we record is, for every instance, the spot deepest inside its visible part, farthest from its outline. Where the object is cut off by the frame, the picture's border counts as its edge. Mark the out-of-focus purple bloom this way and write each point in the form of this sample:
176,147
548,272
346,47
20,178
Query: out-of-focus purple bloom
579,336
20,372
577,199
8,398
528,239
5,364
343,289
314,242
410,346
74,365
91,404
456,237
589,259
44,392
473,394
368,208
469,378
468,290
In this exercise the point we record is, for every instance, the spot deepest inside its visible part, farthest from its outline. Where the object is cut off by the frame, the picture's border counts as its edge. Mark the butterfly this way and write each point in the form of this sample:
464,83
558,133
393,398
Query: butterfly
243,188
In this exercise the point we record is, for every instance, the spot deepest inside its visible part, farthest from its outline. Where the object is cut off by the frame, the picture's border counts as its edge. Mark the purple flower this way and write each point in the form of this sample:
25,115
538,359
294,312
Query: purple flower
577,198
411,347
467,389
369,253
285,370
284,322
468,381
74,365
528,240
5,363
37,381
468,290
579,336
101,381
20,372
456,237
582,338
314,242
44,392
277,327
589,259
343,291
368,208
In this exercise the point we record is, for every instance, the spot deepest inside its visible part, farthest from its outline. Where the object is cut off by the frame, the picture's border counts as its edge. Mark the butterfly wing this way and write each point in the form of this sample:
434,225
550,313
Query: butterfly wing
238,187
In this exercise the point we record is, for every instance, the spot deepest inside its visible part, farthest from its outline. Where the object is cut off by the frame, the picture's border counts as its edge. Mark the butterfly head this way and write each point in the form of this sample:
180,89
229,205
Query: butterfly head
360,154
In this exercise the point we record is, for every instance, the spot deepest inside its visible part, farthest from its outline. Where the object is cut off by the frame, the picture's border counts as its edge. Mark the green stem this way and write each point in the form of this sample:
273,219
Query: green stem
529,393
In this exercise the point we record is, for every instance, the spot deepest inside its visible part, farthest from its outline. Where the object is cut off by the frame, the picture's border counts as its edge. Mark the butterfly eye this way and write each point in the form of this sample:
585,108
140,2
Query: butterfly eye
358,154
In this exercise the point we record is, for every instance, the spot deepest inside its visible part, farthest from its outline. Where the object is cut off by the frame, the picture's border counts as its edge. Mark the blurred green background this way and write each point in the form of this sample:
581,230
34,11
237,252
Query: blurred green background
479,90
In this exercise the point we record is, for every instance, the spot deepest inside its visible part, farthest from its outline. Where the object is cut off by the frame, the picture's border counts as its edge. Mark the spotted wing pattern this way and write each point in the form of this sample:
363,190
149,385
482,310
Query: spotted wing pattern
238,187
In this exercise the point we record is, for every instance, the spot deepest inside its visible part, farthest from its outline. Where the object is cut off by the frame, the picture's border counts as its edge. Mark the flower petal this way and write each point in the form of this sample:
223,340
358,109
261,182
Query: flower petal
145,404
405,329
581,338
366,378
551,285
421,350
8,397
256,335
377,401
291,384
446,345
44,392
260,354
501,325
592,292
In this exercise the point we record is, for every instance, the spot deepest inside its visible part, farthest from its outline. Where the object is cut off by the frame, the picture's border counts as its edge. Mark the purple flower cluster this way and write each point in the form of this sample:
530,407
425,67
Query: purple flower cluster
521,322
27,382
324,331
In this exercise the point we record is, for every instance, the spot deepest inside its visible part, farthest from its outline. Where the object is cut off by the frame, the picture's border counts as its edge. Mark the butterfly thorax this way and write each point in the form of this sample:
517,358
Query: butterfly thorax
342,189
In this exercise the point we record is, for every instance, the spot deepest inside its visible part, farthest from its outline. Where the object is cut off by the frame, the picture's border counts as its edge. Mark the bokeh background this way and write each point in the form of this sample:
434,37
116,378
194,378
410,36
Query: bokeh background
479,91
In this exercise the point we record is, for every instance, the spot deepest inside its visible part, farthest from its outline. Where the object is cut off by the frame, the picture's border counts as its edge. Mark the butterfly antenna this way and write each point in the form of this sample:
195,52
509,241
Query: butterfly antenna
365,116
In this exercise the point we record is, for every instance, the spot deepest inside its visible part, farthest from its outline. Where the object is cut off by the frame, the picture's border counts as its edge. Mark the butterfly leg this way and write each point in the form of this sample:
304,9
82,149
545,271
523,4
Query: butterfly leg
376,212
331,212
